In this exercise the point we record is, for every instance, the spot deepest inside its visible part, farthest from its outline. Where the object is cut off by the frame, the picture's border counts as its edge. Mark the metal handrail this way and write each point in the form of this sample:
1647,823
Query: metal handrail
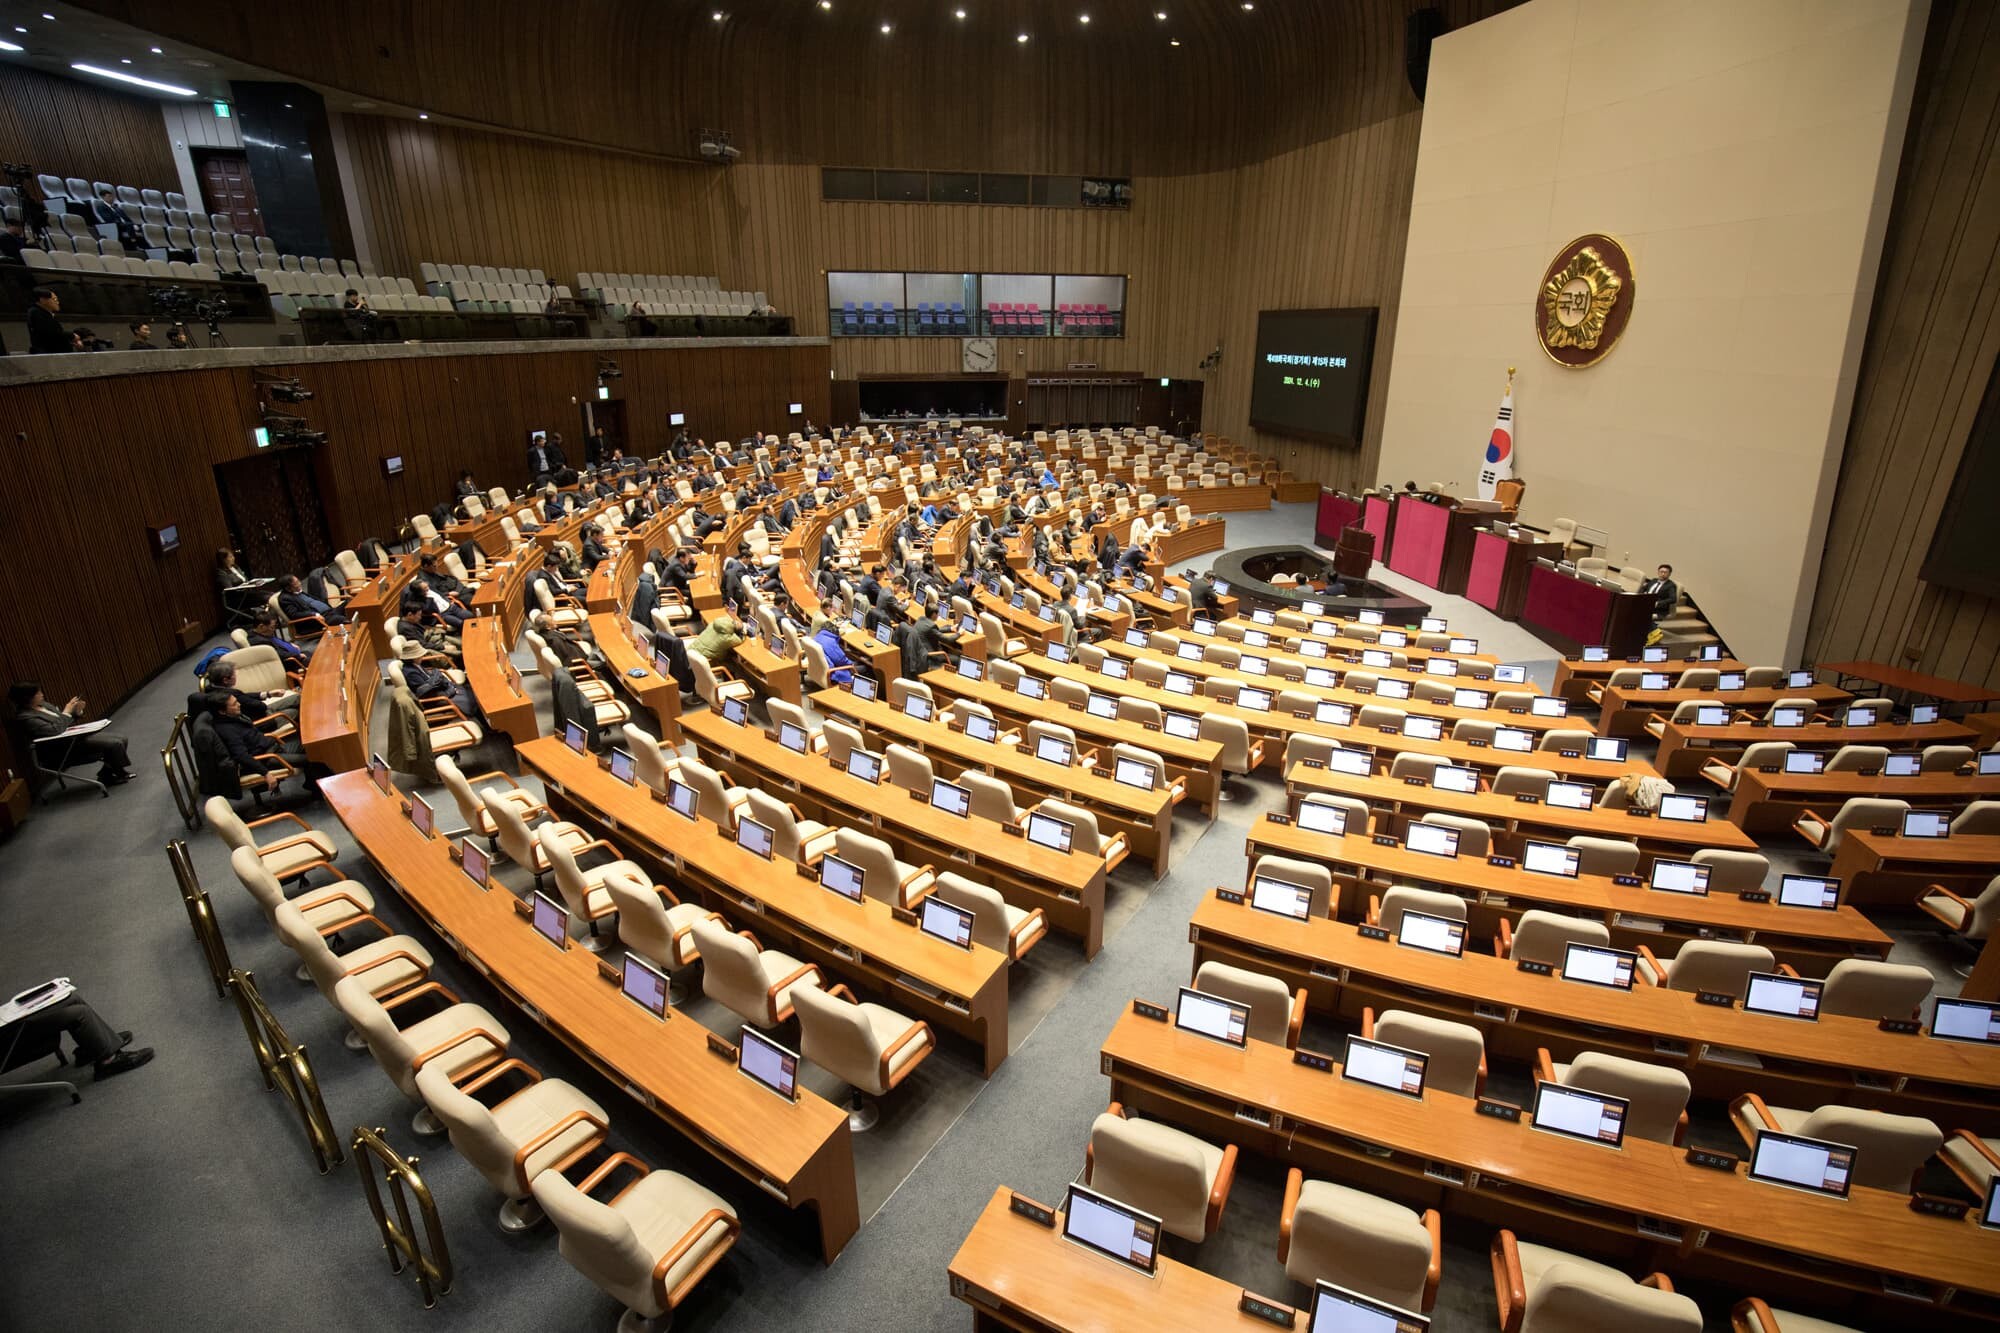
201,916
286,1069
399,1235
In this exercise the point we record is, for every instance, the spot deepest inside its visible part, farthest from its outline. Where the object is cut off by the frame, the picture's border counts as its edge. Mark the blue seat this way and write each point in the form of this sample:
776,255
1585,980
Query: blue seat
926,320
847,317
958,314
890,324
868,314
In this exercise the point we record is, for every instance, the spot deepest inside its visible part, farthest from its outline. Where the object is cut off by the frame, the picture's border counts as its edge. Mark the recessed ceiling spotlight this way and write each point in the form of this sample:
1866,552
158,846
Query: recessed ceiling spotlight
124,60
1249,5
826,4
50,17
958,14
1173,41
1083,18
19,28
717,16
134,79
156,50
1160,14
1020,36
888,28
423,115
11,46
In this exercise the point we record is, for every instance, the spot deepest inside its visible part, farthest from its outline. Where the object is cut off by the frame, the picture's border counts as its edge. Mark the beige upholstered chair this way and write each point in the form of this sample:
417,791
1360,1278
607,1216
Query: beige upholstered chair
714,684
1733,872
1542,936
1872,989
1471,729
1658,1095
648,1246
996,923
650,765
1415,764
1754,1316
1516,780
290,858
902,688
603,700
1457,1052
1038,730
1762,754
385,965
1307,874
909,769
1301,746
1604,856
330,907
719,802
1859,812
1971,919
1066,691
657,926
1379,715
1854,758
998,645
473,811
991,798
1387,910
1006,675
546,1126
1180,1179
583,890
460,1039
841,739
524,848
793,838
1085,839
883,876
1980,819
1718,966
1891,1149
1543,1290
1561,739
563,612
1475,836
1240,755
1357,1241
1941,758
869,1047
1810,705
1972,1159
1151,759
755,983
1276,1014
1763,677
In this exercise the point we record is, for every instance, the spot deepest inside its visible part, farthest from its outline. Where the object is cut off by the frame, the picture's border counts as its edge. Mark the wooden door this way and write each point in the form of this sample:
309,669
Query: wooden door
272,506
226,188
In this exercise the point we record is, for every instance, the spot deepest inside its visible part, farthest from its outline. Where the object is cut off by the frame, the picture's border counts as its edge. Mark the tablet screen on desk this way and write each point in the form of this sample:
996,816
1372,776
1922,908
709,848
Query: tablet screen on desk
473,861
1463,646
857,616
1368,617
951,798
621,766
1179,682
1679,877
1782,996
793,737
736,711
661,663
1181,726
1212,1016
1432,624
1338,1310
1966,1020
1100,705
843,877
1652,655
1050,832
1655,680
573,737
1549,858
1281,897
421,818
1862,717
1513,738
1785,717
918,707
1989,764
1684,809
378,770
1804,761
1326,628
883,633
753,836
1902,765
1449,777
1256,700
967,625
1256,638
1252,665
683,798
1320,678
1019,600
1431,839
1599,966
1133,773
1375,657
1548,705
1809,891
1313,608
1056,652
1441,666
1190,652
1921,714
1201,626
1607,748
1463,697
981,727
1135,638
1596,654
1393,638
1510,675
768,1063
1432,934
1354,763
1053,749
1570,795
1423,728
551,920
970,669
1926,824
1098,1222
1311,648
864,764
1320,817
1333,714
864,687
1392,688
1115,667
1381,1065
1799,680
951,924
1031,687
1593,1116
1711,715
1263,616
1802,1163
644,985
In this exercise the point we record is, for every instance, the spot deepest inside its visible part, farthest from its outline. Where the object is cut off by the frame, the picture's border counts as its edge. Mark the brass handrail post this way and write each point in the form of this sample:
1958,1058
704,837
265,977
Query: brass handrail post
399,1235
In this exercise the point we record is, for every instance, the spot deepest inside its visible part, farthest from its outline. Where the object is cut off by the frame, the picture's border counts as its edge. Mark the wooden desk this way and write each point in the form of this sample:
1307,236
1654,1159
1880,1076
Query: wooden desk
1574,676
371,606
1199,761
1017,1275
1568,611
1764,802
1145,817
1685,747
504,593
495,681
1886,869
1437,1151
1497,577
960,990
800,1152
1069,888
659,695
1913,682
337,698
1811,941
1723,1052
1344,650
1654,835
1624,709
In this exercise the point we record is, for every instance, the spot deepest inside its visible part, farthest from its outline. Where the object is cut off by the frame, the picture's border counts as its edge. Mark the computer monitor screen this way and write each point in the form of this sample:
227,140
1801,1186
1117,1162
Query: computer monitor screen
1510,675
857,616
1966,1020
1786,997
1711,652
1465,697
1799,680
1053,749
1513,738
621,766
1862,717
1181,726
1902,765
1431,839
551,920
1320,817
1441,666
864,764
918,707
473,861
1256,700
1369,617
1050,832
1100,1223
951,798
1809,891
1354,763
1213,1016
1133,773
1679,877
1100,705
1571,795
1788,717
378,770
1375,657
1135,638
574,738
967,625
1686,809
843,877
1432,934
1449,777
1656,680
1281,897
1920,714
1019,600
1383,1066
1652,655
1179,682
1393,638
1423,728
1926,824
1989,1211
683,798
951,924
1252,665
1711,715
1338,1310
1548,705
1201,625
1431,624
1802,1163
1463,646
1599,966
1731,680
1031,687
1611,749
734,710
793,737
1189,651
1055,652
981,727
1325,627
1392,688
1115,667
1313,608
1549,858
768,1063
1596,653
754,836
1322,679
421,817
883,634
1804,761
1594,1116
662,663
1333,714
644,985
1311,648
864,687
1256,638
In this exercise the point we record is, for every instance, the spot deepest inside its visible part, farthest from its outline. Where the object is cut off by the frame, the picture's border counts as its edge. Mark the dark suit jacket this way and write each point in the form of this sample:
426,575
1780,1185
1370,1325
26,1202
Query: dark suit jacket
247,746
545,458
45,332
298,606
41,723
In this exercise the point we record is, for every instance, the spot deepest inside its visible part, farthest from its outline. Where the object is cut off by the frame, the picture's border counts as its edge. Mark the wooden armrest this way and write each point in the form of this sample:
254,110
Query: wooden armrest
1374,909
1479,1080
1658,1282
1681,1129
841,989
414,961
1545,1065
1751,1108
1825,827
550,1135
798,974
1367,1022
1116,848
916,875
1298,1022
1510,1289
1218,1195
597,845
669,1299
1787,970
915,1031
1719,773
1979,1146
1034,924
1658,974
272,819
353,921
1503,943
427,988
480,1034
1752,1315
1294,1182
493,1072
610,1164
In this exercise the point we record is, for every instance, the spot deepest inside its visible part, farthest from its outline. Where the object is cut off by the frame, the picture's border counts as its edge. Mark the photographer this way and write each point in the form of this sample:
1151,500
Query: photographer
354,301
12,242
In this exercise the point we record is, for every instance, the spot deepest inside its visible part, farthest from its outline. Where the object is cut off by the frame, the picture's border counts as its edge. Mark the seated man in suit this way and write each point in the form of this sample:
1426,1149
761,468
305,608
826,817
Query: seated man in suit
104,1048
426,682
677,574
38,719
595,552
256,707
268,633
298,604
1666,594
252,750
106,208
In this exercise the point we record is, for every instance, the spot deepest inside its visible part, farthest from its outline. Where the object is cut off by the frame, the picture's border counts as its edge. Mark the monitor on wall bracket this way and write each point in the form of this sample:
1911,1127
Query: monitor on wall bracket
1309,373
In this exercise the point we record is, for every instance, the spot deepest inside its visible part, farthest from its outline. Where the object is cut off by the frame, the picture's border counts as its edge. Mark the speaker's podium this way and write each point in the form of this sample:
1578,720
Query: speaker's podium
1502,555
1431,538
1355,553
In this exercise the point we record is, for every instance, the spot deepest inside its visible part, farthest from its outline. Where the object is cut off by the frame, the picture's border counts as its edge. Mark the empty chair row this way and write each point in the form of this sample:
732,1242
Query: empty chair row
667,281
78,262
443,273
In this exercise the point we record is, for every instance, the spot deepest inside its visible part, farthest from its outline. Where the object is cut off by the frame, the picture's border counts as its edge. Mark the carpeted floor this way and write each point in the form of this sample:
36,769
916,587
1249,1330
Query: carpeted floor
183,1195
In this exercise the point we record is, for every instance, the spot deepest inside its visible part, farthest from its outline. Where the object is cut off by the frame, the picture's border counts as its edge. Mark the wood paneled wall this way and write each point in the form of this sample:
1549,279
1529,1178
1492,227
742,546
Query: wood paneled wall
94,612
1930,354
69,128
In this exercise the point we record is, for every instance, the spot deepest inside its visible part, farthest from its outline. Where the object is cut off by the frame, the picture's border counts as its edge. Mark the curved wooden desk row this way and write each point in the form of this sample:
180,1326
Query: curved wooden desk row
1724,1052
961,990
1769,802
495,681
504,595
1352,637
381,597
1574,676
1883,868
1685,747
799,1152
1810,940
1068,887
337,698
1624,710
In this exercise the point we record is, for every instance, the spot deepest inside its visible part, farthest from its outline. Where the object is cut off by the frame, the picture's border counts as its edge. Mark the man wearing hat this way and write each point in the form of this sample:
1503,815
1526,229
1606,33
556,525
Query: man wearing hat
427,682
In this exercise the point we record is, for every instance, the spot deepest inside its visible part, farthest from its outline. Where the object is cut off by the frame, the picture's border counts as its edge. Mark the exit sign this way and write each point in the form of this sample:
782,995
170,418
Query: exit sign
222,111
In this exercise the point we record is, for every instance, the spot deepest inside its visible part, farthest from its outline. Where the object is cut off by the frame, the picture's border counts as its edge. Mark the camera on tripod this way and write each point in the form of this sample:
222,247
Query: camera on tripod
180,305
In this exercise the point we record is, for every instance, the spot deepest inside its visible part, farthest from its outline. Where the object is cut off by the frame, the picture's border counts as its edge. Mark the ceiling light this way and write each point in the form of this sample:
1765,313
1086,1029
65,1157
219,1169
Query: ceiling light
124,60
887,29
19,28
11,46
1083,18
123,77
1020,36
1160,14
1249,5
50,17
423,115
156,50
1173,41
958,13
717,16
826,4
